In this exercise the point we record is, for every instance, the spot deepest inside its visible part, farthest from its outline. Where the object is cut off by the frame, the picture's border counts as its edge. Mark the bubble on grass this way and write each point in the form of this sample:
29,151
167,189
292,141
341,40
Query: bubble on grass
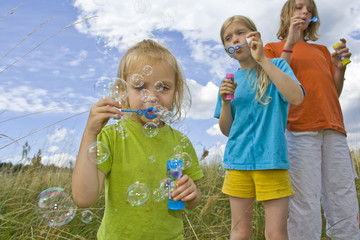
137,80
222,169
150,129
158,194
56,207
142,6
137,194
159,86
98,152
86,216
147,70
152,159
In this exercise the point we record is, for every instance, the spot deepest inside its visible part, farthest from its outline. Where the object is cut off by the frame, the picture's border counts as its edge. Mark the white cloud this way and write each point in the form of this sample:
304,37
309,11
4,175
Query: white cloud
53,149
59,160
59,135
204,99
79,58
214,130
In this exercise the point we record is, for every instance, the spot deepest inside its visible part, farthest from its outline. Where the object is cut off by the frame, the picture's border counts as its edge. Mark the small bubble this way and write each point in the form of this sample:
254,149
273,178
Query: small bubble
147,70
178,149
158,194
86,216
98,152
137,194
150,129
222,169
152,159
103,46
142,6
137,80
159,86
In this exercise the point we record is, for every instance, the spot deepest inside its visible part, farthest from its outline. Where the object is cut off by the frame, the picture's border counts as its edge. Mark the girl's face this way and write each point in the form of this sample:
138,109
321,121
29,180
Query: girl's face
235,34
303,10
158,88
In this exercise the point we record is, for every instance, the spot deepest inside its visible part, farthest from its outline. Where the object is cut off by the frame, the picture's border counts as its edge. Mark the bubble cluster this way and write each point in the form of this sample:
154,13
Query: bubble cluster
56,207
98,152
137,194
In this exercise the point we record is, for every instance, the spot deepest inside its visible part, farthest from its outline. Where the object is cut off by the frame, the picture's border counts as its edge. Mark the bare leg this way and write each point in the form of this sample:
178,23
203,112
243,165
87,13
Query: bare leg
276,213
241,216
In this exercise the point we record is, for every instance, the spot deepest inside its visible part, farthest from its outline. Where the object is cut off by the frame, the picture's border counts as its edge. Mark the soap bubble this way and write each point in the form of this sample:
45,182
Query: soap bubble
185,157
116,88
102,87
56,207
178,149
86,216
142,6
103,46
98,152
185,142
222,169
169,18
158,194
147,70
164,184
137,80
144,93
137,194
119,90
150,129
152,159
159,86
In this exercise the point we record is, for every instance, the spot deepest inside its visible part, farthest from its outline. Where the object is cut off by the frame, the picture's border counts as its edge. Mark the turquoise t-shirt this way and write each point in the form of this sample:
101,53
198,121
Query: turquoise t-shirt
256,140
143,159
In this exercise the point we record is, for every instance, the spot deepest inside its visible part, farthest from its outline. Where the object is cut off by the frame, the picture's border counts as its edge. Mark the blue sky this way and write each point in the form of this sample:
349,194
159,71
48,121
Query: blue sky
46,63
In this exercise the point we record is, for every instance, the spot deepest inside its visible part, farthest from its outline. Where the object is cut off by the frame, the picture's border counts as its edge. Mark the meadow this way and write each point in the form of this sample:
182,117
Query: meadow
19,218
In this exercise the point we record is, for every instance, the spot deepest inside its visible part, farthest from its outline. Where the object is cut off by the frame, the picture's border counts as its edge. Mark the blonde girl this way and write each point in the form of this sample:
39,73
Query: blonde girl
321,168
255,153
137,158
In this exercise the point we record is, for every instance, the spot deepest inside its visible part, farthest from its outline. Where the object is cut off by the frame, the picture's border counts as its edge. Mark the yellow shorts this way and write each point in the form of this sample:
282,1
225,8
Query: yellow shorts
262,184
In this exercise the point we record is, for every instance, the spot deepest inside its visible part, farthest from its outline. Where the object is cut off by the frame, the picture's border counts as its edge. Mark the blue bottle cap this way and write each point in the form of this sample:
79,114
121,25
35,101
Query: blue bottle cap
175,205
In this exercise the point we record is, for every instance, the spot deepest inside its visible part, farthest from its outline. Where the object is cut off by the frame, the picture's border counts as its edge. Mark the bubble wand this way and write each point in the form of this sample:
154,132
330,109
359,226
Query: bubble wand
146,112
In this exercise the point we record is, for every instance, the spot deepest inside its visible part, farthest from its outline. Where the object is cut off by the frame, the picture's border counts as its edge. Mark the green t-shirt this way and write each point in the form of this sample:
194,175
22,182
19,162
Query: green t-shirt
141,158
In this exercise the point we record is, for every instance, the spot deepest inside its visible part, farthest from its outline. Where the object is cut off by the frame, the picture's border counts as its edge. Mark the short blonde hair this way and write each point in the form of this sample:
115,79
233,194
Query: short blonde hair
311,33
262,79
151,51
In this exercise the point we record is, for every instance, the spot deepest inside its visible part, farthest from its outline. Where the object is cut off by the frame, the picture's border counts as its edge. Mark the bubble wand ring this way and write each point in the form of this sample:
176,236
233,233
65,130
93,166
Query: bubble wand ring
232,49
314,19
146,112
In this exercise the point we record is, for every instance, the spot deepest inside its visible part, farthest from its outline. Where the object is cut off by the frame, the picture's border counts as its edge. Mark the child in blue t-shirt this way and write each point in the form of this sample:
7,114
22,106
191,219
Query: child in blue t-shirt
255,154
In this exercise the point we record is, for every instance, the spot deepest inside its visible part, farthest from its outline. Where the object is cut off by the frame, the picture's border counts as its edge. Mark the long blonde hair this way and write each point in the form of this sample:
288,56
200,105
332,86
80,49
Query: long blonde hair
310,33
151,51
262,80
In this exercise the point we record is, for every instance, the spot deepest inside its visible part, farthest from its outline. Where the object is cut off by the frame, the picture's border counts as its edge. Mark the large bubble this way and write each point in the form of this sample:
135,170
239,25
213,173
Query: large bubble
56,207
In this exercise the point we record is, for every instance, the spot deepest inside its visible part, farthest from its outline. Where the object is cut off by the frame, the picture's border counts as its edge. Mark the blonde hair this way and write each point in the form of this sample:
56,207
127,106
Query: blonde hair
151,51
262,80
310,33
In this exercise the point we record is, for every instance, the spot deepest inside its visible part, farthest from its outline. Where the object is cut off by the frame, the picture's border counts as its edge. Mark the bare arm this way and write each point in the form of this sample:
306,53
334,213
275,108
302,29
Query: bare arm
87,180
286,85
188,191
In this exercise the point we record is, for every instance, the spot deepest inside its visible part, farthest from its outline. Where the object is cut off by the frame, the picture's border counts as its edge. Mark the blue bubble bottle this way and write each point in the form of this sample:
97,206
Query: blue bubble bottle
174,169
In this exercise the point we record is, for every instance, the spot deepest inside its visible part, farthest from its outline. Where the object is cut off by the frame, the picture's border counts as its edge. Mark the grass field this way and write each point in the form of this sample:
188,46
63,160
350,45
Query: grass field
19,218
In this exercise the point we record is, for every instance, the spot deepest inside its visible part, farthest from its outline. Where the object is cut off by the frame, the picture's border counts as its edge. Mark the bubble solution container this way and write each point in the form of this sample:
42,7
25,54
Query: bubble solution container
174,169
344,61
230,76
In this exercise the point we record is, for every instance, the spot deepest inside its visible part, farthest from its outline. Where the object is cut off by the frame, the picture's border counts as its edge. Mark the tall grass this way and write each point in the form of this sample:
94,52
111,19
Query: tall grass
19,218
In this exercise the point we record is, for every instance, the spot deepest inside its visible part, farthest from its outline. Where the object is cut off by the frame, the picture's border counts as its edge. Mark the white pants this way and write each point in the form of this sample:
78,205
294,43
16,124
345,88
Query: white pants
321,168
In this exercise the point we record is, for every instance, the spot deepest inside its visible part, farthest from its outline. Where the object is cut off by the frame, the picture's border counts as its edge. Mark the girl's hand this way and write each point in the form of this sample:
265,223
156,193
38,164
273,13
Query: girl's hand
227,87
100,113
186,189
256,46
344,51
295,31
